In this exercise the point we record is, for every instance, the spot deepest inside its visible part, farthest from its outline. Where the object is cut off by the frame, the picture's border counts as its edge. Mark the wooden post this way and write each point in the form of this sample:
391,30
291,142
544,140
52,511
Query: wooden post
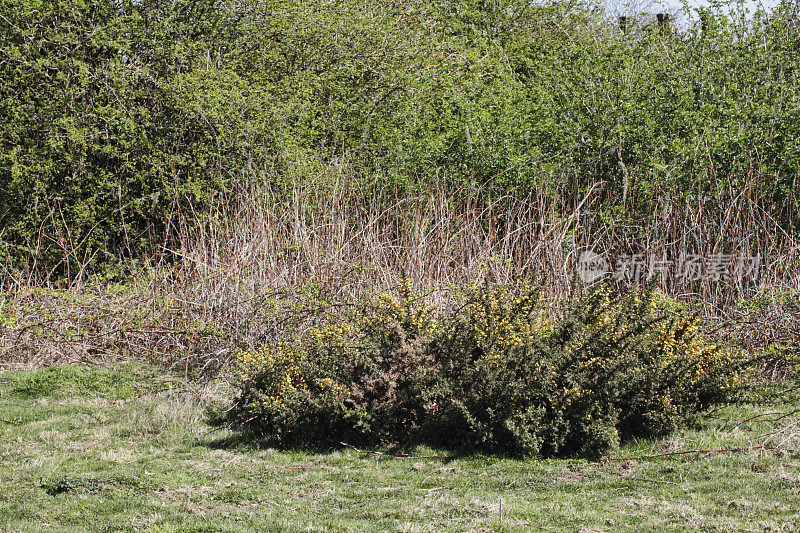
663,23
704,21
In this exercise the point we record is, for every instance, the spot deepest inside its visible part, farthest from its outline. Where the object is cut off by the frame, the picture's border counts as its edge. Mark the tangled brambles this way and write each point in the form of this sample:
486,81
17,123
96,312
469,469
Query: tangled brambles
499,374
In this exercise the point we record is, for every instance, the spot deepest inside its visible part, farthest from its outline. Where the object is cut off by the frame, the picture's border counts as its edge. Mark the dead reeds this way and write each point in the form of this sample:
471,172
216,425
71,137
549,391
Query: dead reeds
275,258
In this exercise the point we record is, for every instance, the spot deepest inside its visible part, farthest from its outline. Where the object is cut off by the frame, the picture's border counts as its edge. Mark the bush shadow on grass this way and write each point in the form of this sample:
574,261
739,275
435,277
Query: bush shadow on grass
245,438
240,437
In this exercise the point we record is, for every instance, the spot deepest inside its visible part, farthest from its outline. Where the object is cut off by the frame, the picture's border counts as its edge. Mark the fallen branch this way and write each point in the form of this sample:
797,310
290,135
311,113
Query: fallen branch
781,416
684,452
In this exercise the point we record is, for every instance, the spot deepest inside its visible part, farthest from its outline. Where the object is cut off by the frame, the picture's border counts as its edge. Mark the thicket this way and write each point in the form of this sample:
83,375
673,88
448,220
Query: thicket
120,120
498,372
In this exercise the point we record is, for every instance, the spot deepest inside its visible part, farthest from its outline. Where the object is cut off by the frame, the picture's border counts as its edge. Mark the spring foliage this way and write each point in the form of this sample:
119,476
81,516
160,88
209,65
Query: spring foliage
498,373
115,115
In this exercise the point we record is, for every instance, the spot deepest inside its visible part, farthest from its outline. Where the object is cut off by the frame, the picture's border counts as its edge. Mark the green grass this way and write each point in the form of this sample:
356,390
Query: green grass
134,449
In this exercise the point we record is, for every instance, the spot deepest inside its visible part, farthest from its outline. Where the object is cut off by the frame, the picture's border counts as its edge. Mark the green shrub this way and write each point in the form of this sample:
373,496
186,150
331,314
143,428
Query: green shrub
120,117
497,374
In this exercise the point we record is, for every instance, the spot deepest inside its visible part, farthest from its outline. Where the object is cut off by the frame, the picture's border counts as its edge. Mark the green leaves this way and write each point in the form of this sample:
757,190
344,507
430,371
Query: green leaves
110,105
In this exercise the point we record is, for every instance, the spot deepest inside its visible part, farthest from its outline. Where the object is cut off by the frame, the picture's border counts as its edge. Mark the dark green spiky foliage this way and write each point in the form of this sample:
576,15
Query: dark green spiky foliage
496,375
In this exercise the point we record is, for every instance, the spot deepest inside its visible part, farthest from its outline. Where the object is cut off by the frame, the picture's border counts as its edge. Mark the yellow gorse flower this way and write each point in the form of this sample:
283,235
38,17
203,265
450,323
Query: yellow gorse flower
276,367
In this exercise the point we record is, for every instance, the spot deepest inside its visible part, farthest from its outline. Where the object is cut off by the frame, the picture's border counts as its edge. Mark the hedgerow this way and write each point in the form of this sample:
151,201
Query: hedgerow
500,373
119,116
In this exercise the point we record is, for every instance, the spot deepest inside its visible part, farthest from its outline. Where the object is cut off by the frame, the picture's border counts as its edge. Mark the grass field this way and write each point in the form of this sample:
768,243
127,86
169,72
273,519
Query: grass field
136,449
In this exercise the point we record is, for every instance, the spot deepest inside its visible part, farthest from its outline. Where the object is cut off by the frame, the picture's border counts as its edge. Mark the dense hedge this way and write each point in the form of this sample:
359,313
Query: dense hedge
117,114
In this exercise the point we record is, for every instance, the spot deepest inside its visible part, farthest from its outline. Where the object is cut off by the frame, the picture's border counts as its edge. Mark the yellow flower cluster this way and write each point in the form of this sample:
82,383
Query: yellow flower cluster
568,395
277,368
676,346
603,297
672,339
249,363
327,384
416,319
499,320
405,288
681,339
326,344
610,315
330,333
666,405
489,360
591,363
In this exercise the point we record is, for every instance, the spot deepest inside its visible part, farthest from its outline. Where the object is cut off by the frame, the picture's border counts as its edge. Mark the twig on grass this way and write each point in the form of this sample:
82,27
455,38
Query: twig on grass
781,416
107,422
787,431
684,452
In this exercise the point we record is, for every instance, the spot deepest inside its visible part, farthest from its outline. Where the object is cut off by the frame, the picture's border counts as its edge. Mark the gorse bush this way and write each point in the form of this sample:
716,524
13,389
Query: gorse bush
499,373
620,370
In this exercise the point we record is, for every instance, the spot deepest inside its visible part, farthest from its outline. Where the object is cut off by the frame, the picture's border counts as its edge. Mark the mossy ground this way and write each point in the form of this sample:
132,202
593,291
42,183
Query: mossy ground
136,449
